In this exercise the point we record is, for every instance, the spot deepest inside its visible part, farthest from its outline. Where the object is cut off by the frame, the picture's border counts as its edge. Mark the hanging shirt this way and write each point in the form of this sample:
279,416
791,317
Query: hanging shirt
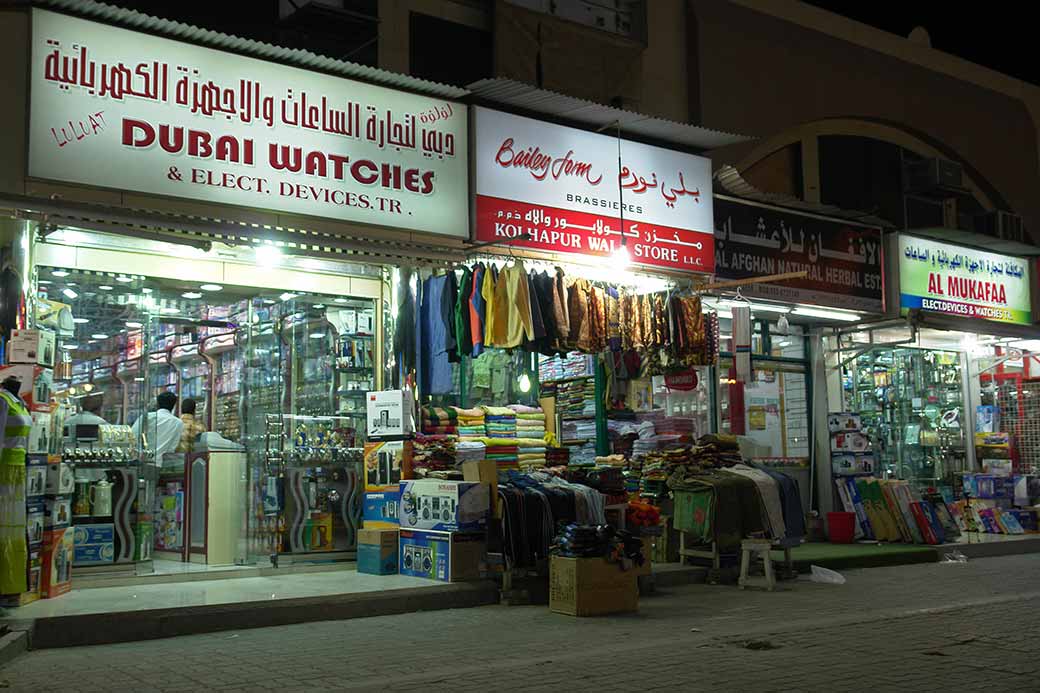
460,314
487,293
437,335
513,323
476,311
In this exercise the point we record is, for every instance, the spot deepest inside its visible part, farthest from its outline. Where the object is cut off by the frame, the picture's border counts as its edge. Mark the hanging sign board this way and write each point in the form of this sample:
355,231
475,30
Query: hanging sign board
955,280
682,380
842,261
130,111
560,186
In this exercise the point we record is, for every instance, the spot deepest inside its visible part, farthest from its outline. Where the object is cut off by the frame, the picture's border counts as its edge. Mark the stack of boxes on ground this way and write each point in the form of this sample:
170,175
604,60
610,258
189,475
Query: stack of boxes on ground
49,482
429,528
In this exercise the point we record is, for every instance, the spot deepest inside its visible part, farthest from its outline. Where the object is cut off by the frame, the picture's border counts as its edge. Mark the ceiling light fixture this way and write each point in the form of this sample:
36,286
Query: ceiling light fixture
69,293
829,313
287,296
106,287
191,294
341,300
268,255
98,335
146,290
133,324
69,347
211,287
60,273
80,321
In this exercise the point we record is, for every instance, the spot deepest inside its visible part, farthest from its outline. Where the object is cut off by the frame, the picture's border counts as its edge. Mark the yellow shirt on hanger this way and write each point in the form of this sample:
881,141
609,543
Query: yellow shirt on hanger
513,323
487,290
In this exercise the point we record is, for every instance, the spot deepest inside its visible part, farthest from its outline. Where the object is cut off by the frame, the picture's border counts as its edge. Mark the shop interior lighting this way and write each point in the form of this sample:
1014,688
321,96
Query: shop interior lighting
45,281
146,290
524,382
191,294
124,279
317,335
60,273
98,335
341,300
211,287
268,255
70,347
69,293
132,324
170,310
829,313
319,306
106,287
621,258
80,321
269,302
287,296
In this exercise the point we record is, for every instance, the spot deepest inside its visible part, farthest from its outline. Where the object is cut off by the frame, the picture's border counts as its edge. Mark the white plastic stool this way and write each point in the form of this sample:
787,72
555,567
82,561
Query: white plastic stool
761,547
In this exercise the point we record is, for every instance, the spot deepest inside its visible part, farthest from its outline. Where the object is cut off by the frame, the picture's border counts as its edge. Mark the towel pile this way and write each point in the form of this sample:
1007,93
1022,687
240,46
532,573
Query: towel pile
470,422
439,421
499,422
469,450
530,421
433,452
531,452
583,455
503,451
576,398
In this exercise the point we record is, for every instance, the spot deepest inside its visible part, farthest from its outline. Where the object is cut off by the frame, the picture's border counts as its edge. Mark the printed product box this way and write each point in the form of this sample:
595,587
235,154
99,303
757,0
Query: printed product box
39,434
390,413
94,544
34,522
31,346
61,480
1027,518
377,551
844,421
387,464
987,418
58,551
444,556
36,384
35,475
448,506
997,467
57,512
591,587
381,510
850,441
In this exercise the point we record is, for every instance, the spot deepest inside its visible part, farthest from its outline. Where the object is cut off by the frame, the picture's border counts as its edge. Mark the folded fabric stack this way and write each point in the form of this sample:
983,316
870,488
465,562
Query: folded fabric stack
580,429
557,368
530,421
433,452
583,455
499,422
469,451
470,422
439,421
557,457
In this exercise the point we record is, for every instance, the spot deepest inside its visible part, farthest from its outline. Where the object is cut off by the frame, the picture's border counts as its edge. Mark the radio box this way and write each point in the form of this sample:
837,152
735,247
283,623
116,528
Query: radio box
381,510
444,556
377,551
390,413
56,568
31,346
36,384
446,506
387,464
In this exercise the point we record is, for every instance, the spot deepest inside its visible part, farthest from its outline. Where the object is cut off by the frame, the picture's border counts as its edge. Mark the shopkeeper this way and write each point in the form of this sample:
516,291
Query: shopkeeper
192,426
84,424
162,428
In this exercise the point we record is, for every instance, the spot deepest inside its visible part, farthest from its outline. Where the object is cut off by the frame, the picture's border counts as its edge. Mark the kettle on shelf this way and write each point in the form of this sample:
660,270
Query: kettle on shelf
101,498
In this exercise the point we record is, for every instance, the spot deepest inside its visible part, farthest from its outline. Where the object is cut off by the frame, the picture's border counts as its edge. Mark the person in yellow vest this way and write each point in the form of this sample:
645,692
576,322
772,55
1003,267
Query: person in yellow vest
15,424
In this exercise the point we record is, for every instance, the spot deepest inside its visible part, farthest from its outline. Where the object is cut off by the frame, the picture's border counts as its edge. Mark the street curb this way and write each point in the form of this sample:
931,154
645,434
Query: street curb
12,645
128,626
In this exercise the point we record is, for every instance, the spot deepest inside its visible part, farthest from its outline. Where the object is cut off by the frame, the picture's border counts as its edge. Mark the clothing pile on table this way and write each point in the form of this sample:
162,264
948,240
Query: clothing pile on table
503,451
531,452
433,452
557,457
470,422
499,422
439,421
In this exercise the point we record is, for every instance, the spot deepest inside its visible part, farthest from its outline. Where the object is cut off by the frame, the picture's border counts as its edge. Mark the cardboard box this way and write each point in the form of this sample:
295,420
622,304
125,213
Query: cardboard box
485,472
387,464
95,544
380,510
377,551
61,479
31,346
37,383
57,555
591,587
444,556
35,475
390,413
34,522
57,512
446,506
844,421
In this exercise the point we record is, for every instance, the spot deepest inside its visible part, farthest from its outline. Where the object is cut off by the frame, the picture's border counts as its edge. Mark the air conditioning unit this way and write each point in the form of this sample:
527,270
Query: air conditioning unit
1003,225
934,177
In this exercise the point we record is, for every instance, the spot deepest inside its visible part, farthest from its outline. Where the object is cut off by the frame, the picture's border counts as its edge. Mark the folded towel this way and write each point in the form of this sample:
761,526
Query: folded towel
498,411
524,409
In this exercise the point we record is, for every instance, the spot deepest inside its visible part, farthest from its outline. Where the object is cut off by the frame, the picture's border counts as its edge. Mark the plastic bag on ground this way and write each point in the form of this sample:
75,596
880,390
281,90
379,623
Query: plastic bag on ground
955,557
826,576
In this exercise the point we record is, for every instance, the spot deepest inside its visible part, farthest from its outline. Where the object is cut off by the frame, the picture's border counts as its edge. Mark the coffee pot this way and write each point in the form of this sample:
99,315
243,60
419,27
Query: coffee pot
101,498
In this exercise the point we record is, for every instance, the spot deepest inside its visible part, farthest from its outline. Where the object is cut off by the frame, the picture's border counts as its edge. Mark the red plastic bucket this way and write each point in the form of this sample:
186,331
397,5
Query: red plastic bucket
841,527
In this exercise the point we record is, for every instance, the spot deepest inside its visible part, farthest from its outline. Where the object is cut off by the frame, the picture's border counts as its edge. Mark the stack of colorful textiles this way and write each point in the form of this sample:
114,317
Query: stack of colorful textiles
571,397
470,422
583,455
530,421
469,450
504,452
499,422
433,452
580,429
439,421
557,457
572,365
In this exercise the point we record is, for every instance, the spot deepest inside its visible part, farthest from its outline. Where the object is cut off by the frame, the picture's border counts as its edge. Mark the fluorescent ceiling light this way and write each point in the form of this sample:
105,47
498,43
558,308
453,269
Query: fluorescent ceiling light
170,310
45,281
317,335
826,313
80,321
269,302
105,287
319,306
131,323
342,300
70,347
191,294
146,290
60,273
124,279
98,335
211,287
287,296
268,255
69,293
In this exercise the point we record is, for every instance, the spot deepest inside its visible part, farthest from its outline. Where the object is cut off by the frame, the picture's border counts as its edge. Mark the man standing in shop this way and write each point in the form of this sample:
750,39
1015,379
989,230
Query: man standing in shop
84,424
192,426
162,429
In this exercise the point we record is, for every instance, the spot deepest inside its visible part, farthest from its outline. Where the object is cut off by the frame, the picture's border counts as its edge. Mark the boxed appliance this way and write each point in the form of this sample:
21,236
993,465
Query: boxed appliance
997,467
95,544
35,475
591,587
448,506
377,551
444,556
58,551
987,418
57,512
61,480
851,441
31,346
41,435
37,383
387,464
380,510
844,421
390,413
35,511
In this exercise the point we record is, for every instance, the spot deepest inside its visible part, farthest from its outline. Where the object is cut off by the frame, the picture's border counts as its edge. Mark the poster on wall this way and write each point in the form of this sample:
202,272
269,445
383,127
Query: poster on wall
842,260
560,187
955,280
129,111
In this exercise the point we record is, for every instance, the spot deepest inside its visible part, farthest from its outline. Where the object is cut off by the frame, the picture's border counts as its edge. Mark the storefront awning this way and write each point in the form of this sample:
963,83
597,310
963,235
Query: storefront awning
978,240
529,98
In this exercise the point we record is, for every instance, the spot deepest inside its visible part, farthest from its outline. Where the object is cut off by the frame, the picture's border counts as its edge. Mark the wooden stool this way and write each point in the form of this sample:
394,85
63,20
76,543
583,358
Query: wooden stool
762,548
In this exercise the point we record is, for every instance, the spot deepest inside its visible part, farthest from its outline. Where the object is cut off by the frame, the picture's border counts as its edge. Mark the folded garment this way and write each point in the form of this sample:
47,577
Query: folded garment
439,415
524,409
475,412
498,411
439,430
530,417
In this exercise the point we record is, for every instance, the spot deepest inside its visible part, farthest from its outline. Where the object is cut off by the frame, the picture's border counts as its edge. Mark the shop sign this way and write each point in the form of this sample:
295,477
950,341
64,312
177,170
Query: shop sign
129,111
682,380
951,279
560,187
842,260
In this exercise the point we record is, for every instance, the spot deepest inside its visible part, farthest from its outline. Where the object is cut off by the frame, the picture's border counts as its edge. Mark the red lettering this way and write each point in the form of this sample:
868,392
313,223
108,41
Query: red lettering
368,178
130,128
284,158
199,143
171,144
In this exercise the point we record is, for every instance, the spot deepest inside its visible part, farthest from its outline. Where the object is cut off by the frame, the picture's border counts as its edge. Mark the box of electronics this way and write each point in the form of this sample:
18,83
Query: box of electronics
31,346
35,511
444,556
377,551
387,464
852,462
61,479
448,506
95,544
42,437
57,512
849,441
35,475
591,587
987,418
380,510
390,413
844,421
56,568
37,383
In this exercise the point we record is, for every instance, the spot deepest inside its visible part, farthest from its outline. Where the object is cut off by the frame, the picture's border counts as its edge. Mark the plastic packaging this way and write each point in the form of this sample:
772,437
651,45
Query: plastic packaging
826,576
955,557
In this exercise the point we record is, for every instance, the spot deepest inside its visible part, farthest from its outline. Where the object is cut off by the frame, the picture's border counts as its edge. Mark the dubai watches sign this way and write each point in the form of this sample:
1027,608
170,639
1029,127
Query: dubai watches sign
555,188
130,111
955,280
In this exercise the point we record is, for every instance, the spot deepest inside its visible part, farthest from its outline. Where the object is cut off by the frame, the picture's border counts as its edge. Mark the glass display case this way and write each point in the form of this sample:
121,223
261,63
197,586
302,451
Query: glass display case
911,402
